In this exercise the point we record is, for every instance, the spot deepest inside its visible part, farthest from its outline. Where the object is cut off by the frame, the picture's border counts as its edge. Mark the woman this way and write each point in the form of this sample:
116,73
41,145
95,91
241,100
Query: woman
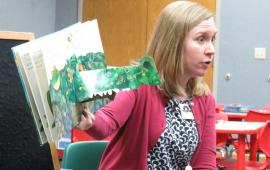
171,126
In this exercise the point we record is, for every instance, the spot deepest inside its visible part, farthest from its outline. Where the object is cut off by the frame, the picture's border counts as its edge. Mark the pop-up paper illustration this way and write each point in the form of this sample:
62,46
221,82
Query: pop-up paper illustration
85,80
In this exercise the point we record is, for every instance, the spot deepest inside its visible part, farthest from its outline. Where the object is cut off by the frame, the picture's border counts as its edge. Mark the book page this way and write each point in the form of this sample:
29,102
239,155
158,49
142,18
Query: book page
30,99
42,84
33,84
79,40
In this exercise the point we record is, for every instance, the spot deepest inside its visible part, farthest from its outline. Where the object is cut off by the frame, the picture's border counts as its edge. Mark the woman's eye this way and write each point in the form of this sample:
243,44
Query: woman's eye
213,39
201,39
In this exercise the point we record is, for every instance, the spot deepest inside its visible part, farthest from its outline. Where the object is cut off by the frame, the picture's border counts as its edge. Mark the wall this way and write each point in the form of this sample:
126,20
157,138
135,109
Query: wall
122,28
243,25
40,17
66,13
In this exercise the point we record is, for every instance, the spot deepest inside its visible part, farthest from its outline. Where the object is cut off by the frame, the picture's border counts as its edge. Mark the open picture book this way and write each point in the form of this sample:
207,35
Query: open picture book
66,70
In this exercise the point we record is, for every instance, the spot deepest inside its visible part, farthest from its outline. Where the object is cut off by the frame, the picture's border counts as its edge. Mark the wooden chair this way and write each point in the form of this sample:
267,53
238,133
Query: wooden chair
263,145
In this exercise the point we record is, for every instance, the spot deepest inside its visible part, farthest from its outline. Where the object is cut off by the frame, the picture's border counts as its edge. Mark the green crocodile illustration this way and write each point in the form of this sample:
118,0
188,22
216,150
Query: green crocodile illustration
86,80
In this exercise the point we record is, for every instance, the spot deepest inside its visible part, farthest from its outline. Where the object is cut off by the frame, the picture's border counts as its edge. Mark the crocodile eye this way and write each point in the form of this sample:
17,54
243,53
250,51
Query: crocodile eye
146,64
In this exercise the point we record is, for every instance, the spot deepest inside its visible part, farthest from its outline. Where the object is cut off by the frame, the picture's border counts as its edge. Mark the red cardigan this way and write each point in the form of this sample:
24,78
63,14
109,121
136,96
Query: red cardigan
138,118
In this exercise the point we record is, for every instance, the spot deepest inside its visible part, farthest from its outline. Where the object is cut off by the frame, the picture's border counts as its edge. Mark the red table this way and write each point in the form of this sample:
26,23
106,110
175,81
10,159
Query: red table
242,129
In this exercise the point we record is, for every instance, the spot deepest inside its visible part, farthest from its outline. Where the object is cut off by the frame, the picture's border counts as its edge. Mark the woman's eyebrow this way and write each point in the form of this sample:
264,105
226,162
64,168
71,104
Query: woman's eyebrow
205,33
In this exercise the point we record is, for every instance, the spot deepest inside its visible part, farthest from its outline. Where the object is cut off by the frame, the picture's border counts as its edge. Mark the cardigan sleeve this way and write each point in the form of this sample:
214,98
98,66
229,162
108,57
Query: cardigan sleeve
206,153
113,115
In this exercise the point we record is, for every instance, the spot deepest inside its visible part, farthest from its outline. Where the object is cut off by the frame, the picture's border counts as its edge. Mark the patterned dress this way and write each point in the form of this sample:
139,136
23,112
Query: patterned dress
179,140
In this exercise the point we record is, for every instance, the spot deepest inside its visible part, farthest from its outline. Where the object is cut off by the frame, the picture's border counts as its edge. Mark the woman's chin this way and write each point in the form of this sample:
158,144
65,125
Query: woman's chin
201,74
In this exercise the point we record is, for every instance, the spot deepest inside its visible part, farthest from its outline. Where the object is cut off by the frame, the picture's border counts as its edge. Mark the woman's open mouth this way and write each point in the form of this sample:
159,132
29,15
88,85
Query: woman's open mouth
207,62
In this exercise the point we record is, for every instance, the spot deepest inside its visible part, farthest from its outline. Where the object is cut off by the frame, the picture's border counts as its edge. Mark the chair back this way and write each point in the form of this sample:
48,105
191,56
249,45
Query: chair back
85,155
258,115
264,137
80,135
221,116
219,108
267,107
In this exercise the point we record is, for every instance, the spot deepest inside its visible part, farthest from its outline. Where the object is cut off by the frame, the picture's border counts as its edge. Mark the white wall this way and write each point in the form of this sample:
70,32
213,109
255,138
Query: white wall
38,16
243,26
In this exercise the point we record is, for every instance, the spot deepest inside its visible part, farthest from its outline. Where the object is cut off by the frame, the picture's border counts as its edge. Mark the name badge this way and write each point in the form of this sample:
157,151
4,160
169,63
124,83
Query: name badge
186,111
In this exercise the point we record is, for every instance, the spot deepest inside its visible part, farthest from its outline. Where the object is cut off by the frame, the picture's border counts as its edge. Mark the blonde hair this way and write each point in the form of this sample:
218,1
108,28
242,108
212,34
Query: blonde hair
166,47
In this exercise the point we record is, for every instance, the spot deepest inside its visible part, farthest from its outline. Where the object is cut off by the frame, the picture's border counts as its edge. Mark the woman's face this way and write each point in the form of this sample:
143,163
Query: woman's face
199,49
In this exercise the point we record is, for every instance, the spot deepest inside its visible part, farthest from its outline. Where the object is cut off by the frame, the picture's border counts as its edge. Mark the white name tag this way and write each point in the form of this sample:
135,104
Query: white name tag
188,167
186,111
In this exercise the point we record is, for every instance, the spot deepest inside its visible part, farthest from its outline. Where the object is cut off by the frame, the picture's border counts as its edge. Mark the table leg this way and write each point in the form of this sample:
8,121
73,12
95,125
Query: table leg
253,147
241,152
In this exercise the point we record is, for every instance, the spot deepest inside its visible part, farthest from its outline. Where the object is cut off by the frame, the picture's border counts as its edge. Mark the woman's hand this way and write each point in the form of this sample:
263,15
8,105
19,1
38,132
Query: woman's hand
87,119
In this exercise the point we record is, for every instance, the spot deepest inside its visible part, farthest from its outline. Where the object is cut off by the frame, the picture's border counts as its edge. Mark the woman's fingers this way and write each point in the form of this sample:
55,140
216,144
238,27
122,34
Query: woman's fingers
91,117
87,119
85,112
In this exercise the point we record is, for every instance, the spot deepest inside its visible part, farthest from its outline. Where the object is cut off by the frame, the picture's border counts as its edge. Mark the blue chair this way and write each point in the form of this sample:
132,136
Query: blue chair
85,155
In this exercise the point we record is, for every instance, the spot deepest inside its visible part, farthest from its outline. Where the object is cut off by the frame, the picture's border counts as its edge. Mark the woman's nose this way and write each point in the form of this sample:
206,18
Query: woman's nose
210,48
